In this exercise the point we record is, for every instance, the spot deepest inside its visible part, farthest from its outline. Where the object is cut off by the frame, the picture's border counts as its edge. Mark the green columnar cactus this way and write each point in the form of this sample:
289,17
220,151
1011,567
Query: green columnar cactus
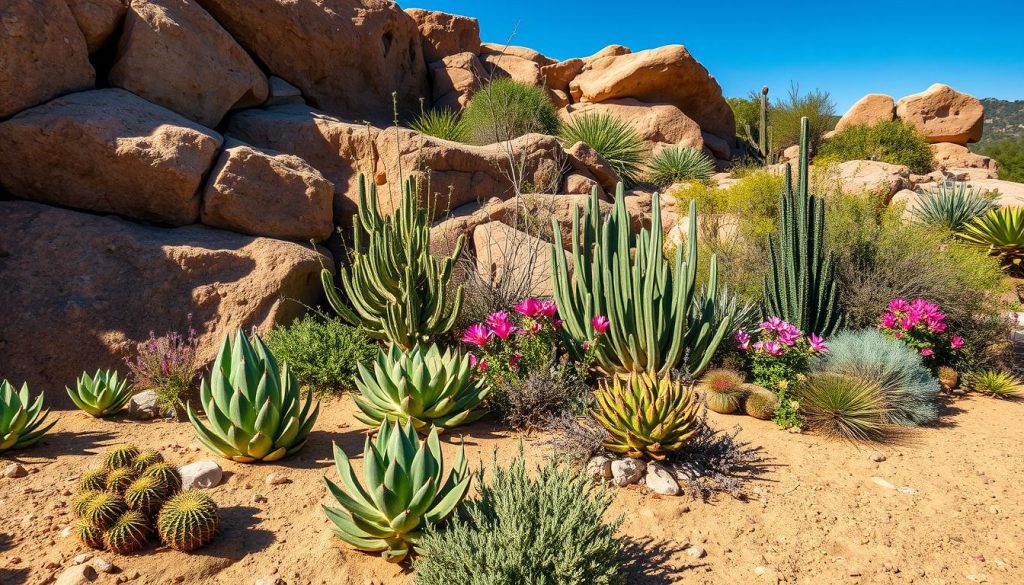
800,286
101,394
398,291
188,521
21,423
647,299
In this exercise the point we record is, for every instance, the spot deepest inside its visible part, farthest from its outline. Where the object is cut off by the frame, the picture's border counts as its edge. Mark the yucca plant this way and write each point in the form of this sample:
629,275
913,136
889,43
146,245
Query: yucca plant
398,291
21,419
1001,233
995,383
951,205
253,410
673,164
842,407
646,417
421,386
612,138
405,490
444,123
102,394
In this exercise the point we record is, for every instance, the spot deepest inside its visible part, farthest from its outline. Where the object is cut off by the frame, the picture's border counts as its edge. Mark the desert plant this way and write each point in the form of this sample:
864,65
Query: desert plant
505,109
951,205
146,459
120,456
842,406
322,352
894,142
253,410
947,376
908,390
88,534
995,383
102,394
21,420
921,325
103,510
1001,233
646,417
397,289
612,138
129,533
723,390
674,164
759,402
119,479
751,115
545,528
169,366
188,520
93,479
167,474
801,284
1009,153
405,491
80,502
443,123
146,494
543,396
787,115
647,300
422,386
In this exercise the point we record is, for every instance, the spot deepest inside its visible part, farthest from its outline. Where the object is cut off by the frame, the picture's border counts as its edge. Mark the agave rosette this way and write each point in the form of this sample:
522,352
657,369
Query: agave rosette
21,419
646,417
102,394
254,410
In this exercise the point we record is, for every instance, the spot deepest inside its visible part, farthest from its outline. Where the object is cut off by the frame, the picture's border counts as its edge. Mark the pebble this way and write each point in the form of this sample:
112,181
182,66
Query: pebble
627,471
103,565
201,474
77,575
259,499
759,570
144,406
278,479
883,483
877,457
15,470
82,558
599,468
660,480
696,552
906,489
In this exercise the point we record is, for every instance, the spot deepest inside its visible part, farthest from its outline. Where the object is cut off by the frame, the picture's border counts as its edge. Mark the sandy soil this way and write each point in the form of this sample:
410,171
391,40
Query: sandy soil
945,506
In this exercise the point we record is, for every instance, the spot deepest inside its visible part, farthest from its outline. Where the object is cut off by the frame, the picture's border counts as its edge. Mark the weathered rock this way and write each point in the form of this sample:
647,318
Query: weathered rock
581,182
268,193
879,178
659,125
599,468
665,75
278,479
1011,194
661,481
627,471
505,65
514,51
97,19
454,79
15,471
200,475
506,254
446,34
609,51
108,151
946,155
43,54
116,281
559,75
347,56
943,114
144,406
536,210
173,53
584,158
559,98
696,552
76,575
462,221
870,109
719,147
909,199
282,92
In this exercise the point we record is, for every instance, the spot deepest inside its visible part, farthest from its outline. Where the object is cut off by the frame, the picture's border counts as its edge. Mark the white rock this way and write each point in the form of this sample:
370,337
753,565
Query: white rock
626,471
883,483
143,406
696,552
201,474
660,480
877,457
76,575
599,467
278,479
82,559
103,565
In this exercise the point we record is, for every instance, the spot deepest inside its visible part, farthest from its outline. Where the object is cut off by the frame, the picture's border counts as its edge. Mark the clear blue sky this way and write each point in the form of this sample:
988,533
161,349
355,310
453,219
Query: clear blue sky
848,48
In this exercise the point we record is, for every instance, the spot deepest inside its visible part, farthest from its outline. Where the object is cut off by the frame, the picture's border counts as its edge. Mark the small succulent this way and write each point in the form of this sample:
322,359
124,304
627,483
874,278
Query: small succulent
952,205
119,479
103,510
723,390
129,533
120,456
102,394
760,402
188,521
405,490
80,503
90,536
21,420
167,474
146,495
995,383
93,479
147,459
647,417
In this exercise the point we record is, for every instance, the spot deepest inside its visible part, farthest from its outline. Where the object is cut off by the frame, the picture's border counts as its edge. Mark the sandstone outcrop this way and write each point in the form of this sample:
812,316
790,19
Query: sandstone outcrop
97,19
454,79
948,156
870,109
879,178
446,34
584,158
944,114
658,125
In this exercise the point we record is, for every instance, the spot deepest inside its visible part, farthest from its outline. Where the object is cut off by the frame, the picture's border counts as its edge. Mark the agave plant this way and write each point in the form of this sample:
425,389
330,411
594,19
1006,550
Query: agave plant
951,205
673,164
102,394
405,490
421,386
443,123
647,417
996,383
612,138
21,424
253,408
1001,232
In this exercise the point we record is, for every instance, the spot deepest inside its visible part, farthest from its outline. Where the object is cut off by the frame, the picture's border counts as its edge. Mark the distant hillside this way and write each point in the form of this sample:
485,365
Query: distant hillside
1003,119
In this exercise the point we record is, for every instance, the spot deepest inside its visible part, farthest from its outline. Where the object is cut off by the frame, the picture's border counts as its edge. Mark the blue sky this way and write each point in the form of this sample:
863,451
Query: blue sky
848,48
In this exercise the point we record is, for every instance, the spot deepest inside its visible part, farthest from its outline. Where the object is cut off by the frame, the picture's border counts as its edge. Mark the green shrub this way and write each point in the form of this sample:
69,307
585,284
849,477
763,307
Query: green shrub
323,353
747,111
541,530
995,383
842,407
612,138
951,205
674,164
505,109
784,118
1009,153
444,123
892,142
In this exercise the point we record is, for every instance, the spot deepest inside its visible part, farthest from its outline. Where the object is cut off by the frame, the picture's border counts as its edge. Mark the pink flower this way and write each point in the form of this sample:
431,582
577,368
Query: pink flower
773,324
898,335
476,335
512,361
888,320
956,342
927,352
496,317
502,329
535,328
743,340
548,308
557,323
936,326
898,305
600,323
473,360
529,307
817,343
586,346
907,323
773,348
789,335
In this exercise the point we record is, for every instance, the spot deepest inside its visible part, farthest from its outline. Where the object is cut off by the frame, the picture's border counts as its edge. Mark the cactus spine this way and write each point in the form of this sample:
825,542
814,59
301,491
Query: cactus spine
800,286
90,536
103,510
188,520
128,534
145,495
93,480
147,459
120,456
397,289
167,474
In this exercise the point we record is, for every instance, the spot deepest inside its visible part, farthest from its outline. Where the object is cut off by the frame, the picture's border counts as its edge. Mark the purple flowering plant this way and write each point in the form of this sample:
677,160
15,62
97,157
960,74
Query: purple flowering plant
921,325
168,365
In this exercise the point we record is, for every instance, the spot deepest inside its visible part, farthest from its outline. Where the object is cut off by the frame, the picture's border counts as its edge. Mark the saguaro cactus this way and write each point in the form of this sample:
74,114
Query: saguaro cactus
397,289
800,286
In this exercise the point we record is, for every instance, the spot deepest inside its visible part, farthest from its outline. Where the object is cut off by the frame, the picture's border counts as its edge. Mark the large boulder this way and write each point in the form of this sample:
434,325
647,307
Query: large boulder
658,125
42,54
584,158
446,34
90,288
514,51
558,75
664,75
98,19
947,156
517,68
267,193
944,114
108,151
454,80
505,254
1011,193
869,110
878,178
347,56
173,53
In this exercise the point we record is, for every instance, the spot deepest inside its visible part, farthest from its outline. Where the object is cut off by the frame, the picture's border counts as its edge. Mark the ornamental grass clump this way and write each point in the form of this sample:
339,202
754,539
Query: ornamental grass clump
674,164
952,205
443,123
843,407
322,352
996,384
21,419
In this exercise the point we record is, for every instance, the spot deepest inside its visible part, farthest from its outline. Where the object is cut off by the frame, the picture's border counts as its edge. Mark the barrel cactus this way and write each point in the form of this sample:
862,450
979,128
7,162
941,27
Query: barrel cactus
646,417
21,420
102,394
88,534
253,408
167,474
723,390
421,386
119,479
120,456
93,479
129,533
80,503
146,494
405,490
103,510
147,459
760,402
188,521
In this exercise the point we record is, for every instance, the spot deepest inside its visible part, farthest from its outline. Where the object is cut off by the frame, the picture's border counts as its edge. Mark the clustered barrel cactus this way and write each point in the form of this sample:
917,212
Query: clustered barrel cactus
398,291
102,394
647,417
21,419
253,409
422,386
405,490
647,300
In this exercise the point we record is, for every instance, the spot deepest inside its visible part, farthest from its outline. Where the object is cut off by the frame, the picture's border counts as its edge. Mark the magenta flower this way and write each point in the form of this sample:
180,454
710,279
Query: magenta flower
927,352
957,342
773,348
528,307
496,317
557,323
743,340
476,335
600,323
898,305
548,308
773,324
907,323
889,320
586,346
817,343
502,329
535,328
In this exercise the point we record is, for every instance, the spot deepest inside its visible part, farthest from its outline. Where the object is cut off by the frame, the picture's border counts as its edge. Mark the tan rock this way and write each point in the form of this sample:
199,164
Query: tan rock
446,34
514,51
533,213
558,75
76,575
879,178
909,199
559,98
282,92
609,51
870,109
943,114
719,147
454,80
1011,194
108,151
506,254
116,281
42,54
946,155
664,75
585,159
97,19
461,221
347,56
507,65
657,124
267,193
173,53
581,182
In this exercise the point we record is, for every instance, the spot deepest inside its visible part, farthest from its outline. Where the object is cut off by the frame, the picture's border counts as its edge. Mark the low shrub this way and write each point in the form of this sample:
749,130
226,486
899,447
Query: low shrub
674,164
995,383
1009,153
612,138
323,353
505,109
444,123
893,142
784,118
951,205
169,366
541,398
842,407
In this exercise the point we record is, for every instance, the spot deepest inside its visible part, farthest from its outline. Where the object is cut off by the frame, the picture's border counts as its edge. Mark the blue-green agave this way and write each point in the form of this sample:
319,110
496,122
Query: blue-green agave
101,394
253,408
404,490
21,424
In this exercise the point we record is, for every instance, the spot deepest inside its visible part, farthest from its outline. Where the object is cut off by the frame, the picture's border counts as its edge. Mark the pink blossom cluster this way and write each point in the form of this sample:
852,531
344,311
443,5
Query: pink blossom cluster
919,319
500,325
775,337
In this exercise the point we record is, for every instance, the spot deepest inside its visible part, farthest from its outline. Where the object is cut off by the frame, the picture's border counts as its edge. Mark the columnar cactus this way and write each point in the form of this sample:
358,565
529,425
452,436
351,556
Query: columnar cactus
800,286
398,291
647,300
21,419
